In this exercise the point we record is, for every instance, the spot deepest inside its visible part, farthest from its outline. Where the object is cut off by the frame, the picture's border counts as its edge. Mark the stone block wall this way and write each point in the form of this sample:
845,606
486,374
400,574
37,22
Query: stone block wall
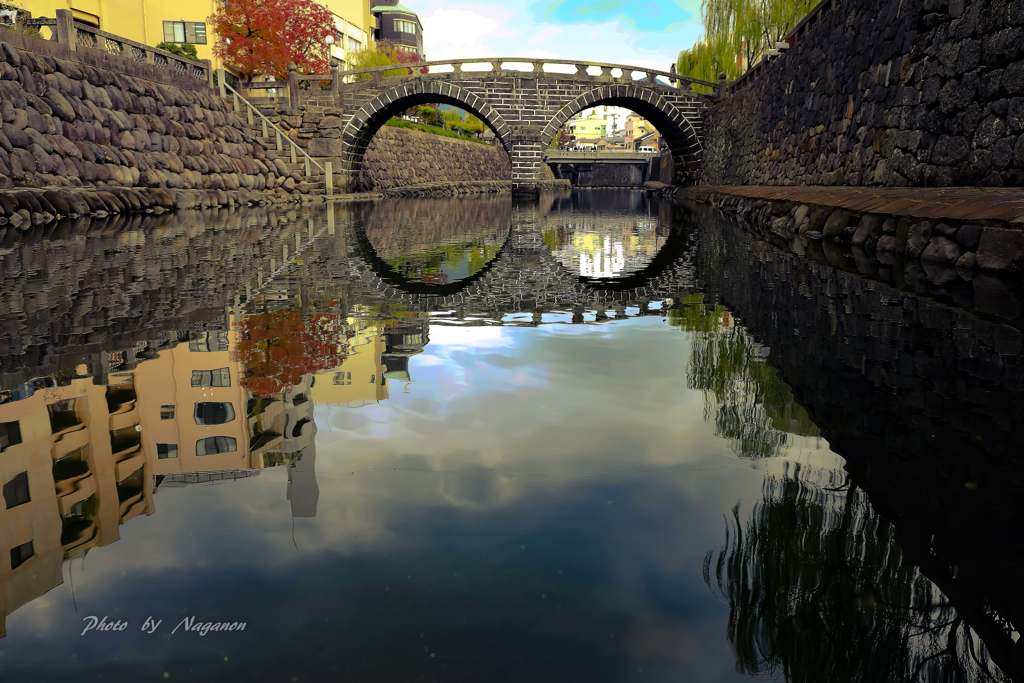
399,157
877,92
89,119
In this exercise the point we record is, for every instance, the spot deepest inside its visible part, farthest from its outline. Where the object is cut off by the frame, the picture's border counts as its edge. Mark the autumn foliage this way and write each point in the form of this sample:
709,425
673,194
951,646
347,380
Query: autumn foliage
278,347
262,37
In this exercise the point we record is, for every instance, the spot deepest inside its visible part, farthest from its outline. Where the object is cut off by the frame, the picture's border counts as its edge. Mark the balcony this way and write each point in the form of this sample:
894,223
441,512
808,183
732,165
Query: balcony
126,416
63,417
120,398
130,493
69,472
124,441
78,525
69,441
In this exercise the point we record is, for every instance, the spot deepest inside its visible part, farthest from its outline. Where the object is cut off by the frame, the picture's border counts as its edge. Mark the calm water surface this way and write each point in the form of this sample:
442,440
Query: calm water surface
592,438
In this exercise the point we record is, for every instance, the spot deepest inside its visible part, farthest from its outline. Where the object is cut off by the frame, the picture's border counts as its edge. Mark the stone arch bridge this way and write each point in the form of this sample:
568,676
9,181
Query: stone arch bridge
523,101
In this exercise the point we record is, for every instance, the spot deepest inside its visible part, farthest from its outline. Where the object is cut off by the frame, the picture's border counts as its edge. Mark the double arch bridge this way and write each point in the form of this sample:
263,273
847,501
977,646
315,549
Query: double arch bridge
523,101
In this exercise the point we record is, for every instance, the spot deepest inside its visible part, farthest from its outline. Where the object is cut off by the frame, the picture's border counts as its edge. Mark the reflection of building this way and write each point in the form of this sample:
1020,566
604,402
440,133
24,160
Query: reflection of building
379,351
78,459
400,27
605,247
360,377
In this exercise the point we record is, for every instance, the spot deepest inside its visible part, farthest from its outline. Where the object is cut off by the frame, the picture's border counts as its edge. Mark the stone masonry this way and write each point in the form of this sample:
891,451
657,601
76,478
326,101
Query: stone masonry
87,126
875,92
523,110
399,157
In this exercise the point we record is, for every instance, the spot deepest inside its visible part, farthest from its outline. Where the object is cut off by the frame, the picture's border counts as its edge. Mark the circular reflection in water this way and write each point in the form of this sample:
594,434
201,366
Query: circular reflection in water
605,246
438,241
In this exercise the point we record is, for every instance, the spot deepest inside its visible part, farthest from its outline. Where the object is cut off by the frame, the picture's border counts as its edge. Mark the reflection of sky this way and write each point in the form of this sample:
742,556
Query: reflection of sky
536,505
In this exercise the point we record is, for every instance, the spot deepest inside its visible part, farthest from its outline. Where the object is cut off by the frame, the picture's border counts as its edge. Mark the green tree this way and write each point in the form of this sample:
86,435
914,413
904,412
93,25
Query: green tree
380,55
186,51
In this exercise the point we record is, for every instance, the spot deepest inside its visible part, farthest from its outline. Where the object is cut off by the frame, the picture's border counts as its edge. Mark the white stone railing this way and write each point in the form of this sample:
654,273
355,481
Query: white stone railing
521,67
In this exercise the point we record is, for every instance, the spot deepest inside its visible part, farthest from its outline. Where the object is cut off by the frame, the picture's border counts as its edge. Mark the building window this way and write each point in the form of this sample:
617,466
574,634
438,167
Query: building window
167,411
404,48
343,378
211,378
208,341
191,32
166,450
211,413
212,445
16,491
10,434
352,43
405,26
20,554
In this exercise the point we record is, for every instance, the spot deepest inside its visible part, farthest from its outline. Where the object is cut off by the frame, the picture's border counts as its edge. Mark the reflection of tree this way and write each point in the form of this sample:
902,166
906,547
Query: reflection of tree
818,589
428,264
752,406
278,347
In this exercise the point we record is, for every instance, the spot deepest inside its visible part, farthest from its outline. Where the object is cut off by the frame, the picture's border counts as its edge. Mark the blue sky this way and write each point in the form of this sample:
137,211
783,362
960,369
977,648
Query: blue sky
636,32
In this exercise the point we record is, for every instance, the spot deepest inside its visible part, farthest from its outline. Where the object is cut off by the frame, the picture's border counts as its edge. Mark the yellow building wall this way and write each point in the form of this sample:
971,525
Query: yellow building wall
590,128
364,361
167,380
142,20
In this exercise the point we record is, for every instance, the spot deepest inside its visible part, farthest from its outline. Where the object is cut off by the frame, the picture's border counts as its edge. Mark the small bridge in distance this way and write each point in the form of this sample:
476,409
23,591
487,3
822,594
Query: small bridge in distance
565,156
524,101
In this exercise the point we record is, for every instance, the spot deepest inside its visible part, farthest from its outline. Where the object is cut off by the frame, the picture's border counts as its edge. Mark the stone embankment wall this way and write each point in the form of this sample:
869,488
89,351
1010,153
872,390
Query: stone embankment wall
87,119
883,375
399,157
976,264
876,92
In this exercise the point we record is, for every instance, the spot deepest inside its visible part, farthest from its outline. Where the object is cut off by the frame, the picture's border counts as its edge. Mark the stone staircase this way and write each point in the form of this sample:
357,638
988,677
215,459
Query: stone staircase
302,174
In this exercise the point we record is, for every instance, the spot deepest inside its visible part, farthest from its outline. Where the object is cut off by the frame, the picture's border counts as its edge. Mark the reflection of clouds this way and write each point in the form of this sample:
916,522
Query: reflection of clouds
599,463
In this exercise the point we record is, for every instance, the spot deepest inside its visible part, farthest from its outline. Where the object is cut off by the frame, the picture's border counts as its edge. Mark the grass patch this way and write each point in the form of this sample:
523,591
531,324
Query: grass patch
433,130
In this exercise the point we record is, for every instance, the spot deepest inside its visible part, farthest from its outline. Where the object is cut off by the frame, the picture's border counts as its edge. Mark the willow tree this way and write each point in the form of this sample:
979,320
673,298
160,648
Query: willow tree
737,33
746,398
819,589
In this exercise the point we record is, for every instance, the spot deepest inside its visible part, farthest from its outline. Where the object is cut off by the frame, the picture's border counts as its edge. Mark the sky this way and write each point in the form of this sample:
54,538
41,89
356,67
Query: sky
646,33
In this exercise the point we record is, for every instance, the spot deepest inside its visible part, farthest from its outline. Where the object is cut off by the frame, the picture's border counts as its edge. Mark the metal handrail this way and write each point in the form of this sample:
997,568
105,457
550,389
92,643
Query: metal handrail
537,67
281,136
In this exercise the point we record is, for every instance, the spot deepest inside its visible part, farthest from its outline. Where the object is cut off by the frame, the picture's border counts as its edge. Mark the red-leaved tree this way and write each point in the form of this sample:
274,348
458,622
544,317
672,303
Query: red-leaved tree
278,347
262,37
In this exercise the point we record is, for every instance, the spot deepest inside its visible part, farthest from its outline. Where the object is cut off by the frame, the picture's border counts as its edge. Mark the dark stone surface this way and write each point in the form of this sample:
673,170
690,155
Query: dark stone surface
873,92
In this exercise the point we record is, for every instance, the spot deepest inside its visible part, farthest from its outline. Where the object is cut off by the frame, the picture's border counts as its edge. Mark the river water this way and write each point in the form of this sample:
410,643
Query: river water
594,437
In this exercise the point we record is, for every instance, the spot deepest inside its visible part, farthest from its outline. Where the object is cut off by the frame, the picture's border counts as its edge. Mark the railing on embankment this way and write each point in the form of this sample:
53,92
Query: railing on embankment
74,35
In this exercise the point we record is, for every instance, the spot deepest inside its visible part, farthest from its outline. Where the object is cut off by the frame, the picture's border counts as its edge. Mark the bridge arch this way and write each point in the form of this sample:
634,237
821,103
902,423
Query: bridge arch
675,125
376,111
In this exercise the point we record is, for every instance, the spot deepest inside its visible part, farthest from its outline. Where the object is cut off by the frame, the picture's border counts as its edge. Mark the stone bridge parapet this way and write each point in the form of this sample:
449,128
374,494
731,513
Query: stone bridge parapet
523,101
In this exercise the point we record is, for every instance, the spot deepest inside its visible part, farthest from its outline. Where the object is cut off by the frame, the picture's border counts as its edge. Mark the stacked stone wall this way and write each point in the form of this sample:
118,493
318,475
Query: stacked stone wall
876,92
89,119
399,157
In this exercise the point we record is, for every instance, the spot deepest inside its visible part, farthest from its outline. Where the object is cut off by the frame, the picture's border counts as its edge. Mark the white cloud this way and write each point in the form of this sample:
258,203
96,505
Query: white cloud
510,29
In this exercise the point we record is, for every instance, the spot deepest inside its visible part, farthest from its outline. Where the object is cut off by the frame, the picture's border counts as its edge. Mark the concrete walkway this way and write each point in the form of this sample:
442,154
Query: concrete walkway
937,203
